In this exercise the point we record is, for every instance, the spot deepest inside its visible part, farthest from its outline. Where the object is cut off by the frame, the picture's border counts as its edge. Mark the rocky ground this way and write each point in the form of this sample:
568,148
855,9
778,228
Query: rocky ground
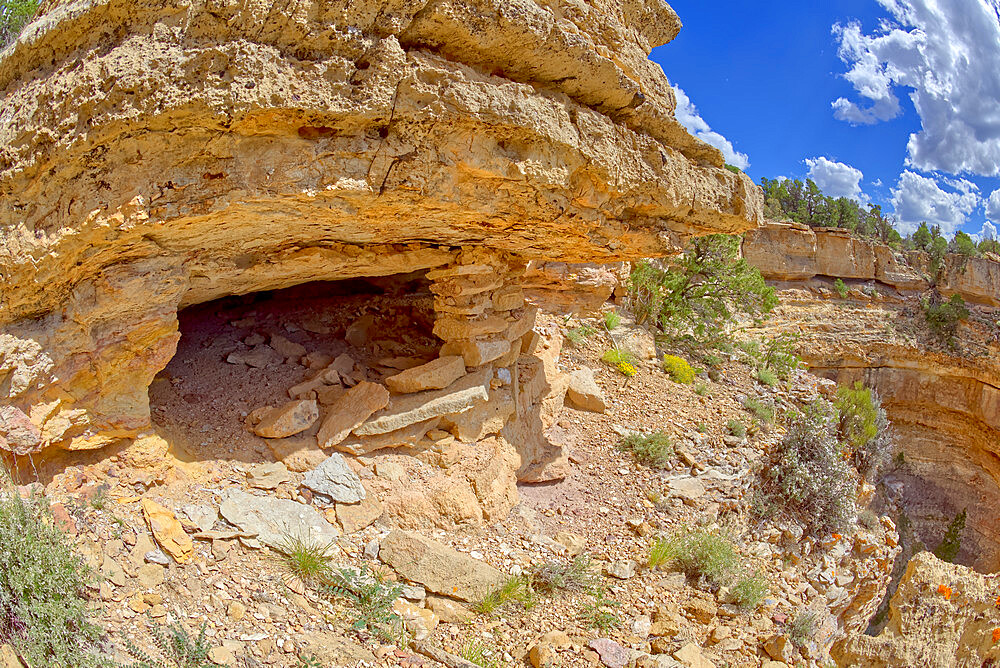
194,534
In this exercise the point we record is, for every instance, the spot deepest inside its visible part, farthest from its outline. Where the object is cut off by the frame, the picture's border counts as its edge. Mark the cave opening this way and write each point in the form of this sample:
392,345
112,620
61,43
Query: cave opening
237,354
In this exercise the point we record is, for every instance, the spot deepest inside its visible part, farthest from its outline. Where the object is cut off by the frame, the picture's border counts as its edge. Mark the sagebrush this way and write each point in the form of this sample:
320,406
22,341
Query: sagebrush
655,450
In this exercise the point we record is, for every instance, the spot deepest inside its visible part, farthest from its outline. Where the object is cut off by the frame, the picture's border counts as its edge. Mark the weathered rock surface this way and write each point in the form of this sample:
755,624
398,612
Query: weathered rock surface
584,393
275,521
288,419
335,479
350,411
405,410
941,615
438,567
160,154
434,375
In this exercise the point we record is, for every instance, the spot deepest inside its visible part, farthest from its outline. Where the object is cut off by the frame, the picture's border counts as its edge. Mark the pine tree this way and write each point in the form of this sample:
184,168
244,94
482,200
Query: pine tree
950,545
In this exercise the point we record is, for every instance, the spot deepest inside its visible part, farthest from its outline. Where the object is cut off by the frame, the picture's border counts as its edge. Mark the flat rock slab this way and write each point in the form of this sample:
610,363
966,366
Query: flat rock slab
299,453
168,531
687,488
407,437
288,419
268,476
357,516
407,409
349,411
434,375
612,654
584,393
335,479
274,521
437,567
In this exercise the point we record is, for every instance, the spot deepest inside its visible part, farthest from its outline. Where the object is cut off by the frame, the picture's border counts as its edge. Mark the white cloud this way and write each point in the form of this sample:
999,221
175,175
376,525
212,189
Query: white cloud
877,183
947,54
836,179
687,115
989,231
993,206
918,198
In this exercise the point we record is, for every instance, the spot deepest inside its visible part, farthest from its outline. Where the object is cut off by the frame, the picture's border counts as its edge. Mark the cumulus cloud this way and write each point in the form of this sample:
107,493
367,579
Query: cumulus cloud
688,116
946,53
993,206
989,231
919,198
836,179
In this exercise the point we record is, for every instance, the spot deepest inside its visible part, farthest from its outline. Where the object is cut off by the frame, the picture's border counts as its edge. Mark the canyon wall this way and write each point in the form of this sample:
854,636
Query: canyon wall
160,153
943,399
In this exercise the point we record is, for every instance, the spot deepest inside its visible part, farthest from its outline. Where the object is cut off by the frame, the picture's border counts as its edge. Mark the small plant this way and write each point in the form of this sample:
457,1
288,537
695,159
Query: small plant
762,411
654,450
305,559
712,360
766,377
680,371
175,644
612,320
749,591
578,335
372,598
625,362
840,287
14,16
517,589
864,428
99,501
701,389
309,661
736,428
951,543
698,553
869,520
554,576
597,614
800,629
701,427
479,654
43,606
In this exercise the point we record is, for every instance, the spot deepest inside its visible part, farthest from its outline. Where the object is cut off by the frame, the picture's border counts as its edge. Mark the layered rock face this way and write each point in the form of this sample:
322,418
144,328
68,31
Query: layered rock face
943,401
159,154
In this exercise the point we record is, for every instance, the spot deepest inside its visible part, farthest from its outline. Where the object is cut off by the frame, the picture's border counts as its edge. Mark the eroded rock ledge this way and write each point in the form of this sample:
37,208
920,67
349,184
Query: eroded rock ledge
160,153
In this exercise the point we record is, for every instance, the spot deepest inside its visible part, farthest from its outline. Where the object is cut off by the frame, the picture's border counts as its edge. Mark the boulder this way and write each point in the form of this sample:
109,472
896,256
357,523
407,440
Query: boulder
289,349
404,410
435,375
335,479
275,521
438,567
584,393
288,419
350,411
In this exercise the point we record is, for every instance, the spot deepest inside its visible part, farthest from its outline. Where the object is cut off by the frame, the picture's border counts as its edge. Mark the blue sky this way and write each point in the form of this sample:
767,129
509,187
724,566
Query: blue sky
899,105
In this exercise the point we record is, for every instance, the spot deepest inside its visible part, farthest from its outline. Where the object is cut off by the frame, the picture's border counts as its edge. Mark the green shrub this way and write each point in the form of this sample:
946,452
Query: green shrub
749,591
807,475
43,607
694,302
800,628
555,576
14,16
864,428
766,377
951,543
943,316
698,553
778,354
176,647
763,411
840,287
736,428
371,597
624,361
612,320
597,614
307,560
680,371
701,389
654,450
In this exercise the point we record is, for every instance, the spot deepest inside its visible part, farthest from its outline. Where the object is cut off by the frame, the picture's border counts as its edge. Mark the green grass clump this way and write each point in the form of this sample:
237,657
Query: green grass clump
555,576
624,361
517,589
766,377
800,629
307,560
612,320
654,450
480,654
680,371
578,335
736,428
43,608
701,389
749,591
764,412
698,553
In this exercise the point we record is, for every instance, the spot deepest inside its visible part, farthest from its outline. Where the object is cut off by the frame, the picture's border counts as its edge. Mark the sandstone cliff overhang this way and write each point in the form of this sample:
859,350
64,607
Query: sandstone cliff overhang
161,153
